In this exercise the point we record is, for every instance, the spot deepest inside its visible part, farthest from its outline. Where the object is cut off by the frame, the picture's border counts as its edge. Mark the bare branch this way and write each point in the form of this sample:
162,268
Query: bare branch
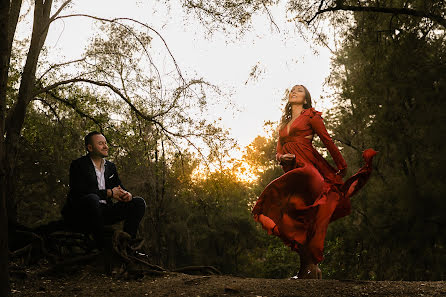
270,16
177,96
59,11
60,65
54,16
147,54
116,20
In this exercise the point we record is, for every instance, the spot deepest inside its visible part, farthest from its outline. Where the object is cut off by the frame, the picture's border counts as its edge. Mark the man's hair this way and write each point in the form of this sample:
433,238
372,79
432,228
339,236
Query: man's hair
87,138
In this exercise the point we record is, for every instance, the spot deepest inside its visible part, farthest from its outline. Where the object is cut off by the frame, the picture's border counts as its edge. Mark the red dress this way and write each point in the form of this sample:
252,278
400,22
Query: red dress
299,205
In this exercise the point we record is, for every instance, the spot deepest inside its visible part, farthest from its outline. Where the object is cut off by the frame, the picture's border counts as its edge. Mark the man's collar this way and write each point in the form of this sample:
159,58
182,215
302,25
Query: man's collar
103,160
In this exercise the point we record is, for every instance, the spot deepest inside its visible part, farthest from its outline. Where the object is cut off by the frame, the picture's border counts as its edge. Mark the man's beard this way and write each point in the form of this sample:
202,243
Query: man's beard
101,154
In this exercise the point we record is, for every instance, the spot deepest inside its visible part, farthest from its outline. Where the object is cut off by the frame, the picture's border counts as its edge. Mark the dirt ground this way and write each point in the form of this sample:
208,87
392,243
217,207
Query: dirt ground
91,283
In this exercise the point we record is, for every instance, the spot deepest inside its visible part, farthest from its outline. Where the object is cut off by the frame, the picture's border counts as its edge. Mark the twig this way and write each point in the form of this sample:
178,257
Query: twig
270,16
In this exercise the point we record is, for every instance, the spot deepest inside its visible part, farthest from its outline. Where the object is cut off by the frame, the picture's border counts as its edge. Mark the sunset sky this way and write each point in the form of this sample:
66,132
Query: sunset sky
284,59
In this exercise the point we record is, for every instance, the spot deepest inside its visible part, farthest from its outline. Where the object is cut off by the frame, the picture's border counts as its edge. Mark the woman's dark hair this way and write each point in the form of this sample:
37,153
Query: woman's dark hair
287,112
87,138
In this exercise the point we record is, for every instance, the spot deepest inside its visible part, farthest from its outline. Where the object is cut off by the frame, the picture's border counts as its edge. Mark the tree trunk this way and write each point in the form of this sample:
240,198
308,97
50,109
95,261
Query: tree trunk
11,125
4,67
16,117
4,250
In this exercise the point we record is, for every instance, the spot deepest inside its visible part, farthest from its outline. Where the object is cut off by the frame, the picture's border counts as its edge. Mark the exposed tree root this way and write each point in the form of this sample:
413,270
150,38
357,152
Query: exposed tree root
67,249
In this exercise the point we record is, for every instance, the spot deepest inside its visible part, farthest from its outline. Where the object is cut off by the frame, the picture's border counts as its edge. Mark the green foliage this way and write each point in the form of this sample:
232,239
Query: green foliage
280,261
392,99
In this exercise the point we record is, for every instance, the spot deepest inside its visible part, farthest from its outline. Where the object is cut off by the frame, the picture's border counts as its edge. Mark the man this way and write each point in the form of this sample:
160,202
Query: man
94,184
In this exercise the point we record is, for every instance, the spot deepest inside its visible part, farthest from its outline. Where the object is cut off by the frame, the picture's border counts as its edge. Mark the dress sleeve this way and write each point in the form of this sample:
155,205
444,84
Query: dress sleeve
279,150
318,126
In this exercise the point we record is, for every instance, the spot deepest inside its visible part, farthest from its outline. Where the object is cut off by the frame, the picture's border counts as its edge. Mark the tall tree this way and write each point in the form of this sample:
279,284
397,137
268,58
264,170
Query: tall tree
391,97
42,84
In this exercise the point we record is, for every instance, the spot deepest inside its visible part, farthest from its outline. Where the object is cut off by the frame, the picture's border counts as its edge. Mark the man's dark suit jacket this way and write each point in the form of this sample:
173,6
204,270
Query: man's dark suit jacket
83,179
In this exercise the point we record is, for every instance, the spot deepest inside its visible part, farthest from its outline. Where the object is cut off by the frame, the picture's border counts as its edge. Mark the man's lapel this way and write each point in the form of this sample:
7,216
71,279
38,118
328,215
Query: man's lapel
107,174
91,170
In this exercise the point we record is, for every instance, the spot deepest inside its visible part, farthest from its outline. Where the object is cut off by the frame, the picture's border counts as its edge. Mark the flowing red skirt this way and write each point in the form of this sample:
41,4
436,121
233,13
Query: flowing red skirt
299,205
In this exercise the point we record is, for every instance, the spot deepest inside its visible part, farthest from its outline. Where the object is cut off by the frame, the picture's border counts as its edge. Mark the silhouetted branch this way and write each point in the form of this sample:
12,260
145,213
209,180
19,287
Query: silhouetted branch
270,16
98,83
150,118
393,10
51,108
115,20
60,65
76,109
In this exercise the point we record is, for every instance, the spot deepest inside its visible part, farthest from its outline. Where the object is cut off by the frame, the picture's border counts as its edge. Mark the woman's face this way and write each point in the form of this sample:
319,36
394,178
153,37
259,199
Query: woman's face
297,95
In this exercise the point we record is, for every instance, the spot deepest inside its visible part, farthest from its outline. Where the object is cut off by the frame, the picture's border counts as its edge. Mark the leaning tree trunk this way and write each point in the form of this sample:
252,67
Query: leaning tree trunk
11,124
16,117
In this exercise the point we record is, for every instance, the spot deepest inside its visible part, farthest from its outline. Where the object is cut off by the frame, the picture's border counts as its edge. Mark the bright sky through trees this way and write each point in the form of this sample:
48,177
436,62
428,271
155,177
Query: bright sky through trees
282,58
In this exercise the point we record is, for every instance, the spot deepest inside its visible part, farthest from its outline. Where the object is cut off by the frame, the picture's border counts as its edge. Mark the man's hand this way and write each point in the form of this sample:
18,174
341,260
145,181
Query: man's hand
125,195
342,172
118,192
121,195
287,157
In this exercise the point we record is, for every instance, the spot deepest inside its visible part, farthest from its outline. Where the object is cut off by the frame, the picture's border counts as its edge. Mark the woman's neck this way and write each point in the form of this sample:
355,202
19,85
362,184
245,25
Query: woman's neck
296,110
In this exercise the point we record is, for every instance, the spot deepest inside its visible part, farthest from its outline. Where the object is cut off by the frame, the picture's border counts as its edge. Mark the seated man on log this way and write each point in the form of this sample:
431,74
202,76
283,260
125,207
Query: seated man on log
94,183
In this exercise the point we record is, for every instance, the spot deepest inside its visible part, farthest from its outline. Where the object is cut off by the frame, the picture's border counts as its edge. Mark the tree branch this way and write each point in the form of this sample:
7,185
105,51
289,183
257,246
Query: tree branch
53,17
133,108
270,16
150,118
98,83
394,10
75,108
51,108
116,20
60,65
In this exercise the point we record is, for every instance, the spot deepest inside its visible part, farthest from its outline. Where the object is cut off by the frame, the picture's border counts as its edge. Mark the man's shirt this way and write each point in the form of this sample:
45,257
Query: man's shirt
100,176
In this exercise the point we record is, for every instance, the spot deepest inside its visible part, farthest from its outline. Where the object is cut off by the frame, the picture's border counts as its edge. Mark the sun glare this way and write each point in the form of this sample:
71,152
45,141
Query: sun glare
239,168
245,173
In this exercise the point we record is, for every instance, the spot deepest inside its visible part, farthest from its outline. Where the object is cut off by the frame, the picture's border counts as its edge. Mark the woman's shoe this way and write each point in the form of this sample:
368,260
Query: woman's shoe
310,271
318,272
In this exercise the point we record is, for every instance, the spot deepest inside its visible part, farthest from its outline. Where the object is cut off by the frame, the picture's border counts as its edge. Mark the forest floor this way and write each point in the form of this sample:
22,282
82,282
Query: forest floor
91,282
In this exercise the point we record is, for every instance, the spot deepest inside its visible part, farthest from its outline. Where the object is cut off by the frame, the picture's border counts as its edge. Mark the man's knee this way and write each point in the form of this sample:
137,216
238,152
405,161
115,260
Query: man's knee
139,202
91,199
139,205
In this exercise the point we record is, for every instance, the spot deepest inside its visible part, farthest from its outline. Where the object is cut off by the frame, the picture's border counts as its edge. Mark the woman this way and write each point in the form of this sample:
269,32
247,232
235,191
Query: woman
299,205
